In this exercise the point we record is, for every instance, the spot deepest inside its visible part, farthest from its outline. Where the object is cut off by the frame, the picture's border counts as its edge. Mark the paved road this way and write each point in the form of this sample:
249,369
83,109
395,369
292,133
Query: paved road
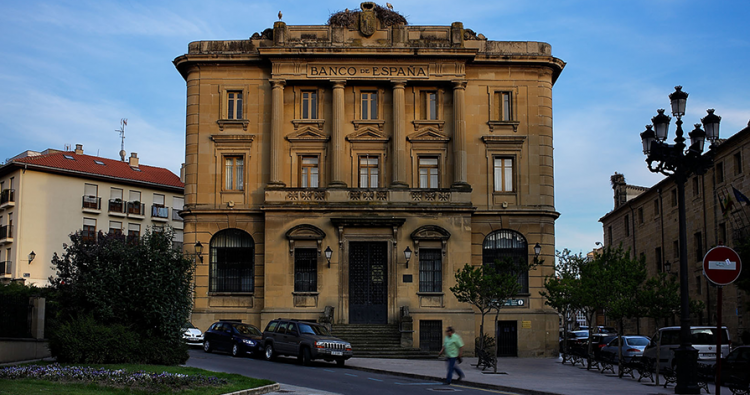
323,376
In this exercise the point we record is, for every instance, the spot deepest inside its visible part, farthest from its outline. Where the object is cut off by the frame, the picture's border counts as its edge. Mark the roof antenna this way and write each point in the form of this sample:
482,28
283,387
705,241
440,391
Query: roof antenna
123,123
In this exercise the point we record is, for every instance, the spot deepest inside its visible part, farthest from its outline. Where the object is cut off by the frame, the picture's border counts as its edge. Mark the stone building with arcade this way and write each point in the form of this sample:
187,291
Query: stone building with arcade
319,156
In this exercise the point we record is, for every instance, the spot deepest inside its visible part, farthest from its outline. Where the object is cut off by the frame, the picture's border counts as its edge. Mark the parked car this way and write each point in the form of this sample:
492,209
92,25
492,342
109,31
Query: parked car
703,339
632,346
735,368
576,340
599,341
234,337
305,340
192,335
600,329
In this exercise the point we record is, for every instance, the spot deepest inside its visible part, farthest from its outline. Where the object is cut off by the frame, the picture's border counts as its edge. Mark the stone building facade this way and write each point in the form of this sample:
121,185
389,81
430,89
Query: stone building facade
366,139
646,222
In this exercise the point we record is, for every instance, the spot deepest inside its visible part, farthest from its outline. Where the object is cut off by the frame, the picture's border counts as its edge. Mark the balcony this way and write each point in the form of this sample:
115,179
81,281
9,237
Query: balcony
5,268
116,207
91,204
136,209
176,215
159,213
7,198
444,199
6,234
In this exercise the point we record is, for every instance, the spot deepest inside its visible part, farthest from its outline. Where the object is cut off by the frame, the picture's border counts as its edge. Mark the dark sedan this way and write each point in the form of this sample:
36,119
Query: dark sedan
234,337
735,368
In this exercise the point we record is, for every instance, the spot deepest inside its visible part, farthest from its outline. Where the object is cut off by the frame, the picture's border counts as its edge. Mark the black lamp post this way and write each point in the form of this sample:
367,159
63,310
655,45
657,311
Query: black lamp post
681,162
328,253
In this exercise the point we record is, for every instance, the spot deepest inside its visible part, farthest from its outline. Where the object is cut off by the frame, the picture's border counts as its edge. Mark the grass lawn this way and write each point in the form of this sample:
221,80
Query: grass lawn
235,382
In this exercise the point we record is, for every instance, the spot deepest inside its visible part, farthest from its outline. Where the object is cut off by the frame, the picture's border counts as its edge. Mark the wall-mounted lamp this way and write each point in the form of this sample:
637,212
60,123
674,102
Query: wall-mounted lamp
328,253
667,266
407,255
199,250
537,250
32,255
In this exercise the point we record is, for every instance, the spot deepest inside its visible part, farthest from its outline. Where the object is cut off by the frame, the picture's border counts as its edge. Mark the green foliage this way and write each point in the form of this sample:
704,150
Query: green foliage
18,289
661,297
625,277
560,289
143,285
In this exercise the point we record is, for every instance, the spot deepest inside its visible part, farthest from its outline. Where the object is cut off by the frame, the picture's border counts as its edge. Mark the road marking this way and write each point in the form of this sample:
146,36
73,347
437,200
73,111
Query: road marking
349,374
397,383
328,370
487,390
370,378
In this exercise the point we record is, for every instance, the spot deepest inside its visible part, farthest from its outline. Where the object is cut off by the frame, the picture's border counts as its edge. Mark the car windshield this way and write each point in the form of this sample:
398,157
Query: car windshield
706,336
188,325
247,330
637,341
314,329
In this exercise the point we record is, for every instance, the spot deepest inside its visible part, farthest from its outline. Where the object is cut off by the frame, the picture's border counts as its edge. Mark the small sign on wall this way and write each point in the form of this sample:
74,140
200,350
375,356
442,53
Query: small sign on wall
408,278
526,324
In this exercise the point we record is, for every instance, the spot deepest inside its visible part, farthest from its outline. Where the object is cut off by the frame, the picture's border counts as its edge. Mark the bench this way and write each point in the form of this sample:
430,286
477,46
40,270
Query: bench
738,385
705,375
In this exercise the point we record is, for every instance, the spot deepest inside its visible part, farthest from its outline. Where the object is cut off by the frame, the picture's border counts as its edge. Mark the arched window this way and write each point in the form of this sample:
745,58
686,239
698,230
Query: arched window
502,244
232,262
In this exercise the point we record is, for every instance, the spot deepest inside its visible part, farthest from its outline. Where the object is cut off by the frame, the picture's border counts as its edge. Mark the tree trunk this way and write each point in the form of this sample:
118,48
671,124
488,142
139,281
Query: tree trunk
497,315
619,348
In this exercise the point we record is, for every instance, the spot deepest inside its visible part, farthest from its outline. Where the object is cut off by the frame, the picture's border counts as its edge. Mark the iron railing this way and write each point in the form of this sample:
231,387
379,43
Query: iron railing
116,206
92,202
7,195
136,208
176,215
159,211
6,231
5,267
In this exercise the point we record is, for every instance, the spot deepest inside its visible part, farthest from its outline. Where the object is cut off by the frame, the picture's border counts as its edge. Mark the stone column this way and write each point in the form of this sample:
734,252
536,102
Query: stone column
337,137
277,123
399,136
459,136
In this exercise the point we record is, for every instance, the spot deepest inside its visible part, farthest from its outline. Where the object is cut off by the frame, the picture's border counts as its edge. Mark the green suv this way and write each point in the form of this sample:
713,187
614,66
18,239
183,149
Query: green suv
305,340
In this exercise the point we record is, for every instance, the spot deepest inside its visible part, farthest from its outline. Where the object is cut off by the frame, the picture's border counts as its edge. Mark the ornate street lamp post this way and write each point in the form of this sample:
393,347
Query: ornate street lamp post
681,162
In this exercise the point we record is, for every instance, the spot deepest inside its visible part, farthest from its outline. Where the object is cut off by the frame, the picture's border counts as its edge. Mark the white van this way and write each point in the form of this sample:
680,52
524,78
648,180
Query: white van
703,339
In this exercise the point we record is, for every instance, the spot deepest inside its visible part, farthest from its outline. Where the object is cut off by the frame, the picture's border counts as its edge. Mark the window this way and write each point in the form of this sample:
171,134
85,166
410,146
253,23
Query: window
627,225
657,256
507,244
696,187
430,105
90,196
503,175
309,105
719,172
134,203
308,172
178,203
158,209
640,215
428,172
231,261
738,163
368,171
609,235
698,287
369,105
115,227
234,105
503,106
430,335
177,239
89,230
698,241
674,198
676,249
134,232
656,207
430,270
234,168
722,233
305,270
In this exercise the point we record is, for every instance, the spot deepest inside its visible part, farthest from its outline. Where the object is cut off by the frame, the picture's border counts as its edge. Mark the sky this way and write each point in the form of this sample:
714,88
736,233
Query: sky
70,70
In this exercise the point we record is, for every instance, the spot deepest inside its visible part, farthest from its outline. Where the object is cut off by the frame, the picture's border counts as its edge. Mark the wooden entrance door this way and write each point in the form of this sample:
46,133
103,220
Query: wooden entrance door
368,282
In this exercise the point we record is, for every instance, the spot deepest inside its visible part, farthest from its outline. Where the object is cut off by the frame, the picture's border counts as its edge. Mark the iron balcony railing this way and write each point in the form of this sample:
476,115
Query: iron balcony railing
176,215
136,208
7,195
6,232
159,211
5,267
92,202
116,206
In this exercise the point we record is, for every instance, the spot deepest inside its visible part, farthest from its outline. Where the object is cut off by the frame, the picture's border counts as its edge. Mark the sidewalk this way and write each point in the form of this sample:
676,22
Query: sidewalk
532,376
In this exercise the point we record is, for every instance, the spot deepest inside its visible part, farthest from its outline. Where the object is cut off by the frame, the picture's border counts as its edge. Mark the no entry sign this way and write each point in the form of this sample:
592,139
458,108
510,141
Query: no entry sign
722,265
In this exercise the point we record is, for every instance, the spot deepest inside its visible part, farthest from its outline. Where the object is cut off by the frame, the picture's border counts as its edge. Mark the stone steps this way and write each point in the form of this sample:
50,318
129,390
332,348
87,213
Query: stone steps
377,341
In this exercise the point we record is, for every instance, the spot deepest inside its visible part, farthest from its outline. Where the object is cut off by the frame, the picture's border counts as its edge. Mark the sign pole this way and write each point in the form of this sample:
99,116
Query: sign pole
719,337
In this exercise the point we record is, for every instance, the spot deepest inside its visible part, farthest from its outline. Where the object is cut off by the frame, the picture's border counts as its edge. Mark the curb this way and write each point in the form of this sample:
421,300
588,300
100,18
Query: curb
463,382
257,391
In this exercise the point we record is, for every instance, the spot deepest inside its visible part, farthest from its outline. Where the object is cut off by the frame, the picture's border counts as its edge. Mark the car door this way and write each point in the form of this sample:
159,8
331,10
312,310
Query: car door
737,365
279,339
292,339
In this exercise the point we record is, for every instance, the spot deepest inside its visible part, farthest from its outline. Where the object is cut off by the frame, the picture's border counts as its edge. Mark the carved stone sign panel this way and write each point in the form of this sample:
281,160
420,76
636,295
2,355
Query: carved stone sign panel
368,71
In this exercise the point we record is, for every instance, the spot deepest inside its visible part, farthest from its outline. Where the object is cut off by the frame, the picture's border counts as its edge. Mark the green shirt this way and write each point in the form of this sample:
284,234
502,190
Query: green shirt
452,345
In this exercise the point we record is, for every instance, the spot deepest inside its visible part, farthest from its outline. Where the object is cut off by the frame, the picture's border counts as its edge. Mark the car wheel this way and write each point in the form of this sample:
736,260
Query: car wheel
235,350
340,362
207,346
304,357
269,353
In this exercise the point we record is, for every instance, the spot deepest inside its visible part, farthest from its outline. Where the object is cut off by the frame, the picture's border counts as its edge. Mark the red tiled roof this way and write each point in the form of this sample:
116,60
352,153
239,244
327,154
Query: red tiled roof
111,168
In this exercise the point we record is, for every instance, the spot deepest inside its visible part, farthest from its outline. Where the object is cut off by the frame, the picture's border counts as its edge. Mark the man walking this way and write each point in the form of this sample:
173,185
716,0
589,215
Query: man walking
453,348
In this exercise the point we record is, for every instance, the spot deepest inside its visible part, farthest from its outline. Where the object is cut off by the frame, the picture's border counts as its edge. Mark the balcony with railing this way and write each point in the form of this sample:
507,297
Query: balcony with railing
176,215
6,234
136,209
5,268
91,204
159,213
117,207
7,198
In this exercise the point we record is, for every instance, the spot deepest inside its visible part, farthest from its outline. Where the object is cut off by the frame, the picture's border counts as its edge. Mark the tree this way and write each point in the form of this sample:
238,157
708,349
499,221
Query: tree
141,285
560,288
487,287
592,293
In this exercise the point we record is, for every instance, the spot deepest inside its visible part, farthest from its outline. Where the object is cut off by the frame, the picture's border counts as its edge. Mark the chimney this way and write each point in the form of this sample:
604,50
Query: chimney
79,149
133,160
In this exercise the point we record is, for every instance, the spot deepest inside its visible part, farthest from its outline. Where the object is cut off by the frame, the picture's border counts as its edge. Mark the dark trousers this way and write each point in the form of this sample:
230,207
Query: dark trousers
452,365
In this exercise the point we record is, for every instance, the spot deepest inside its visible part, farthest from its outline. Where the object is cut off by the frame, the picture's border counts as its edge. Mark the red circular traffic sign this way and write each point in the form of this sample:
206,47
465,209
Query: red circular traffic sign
722,265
